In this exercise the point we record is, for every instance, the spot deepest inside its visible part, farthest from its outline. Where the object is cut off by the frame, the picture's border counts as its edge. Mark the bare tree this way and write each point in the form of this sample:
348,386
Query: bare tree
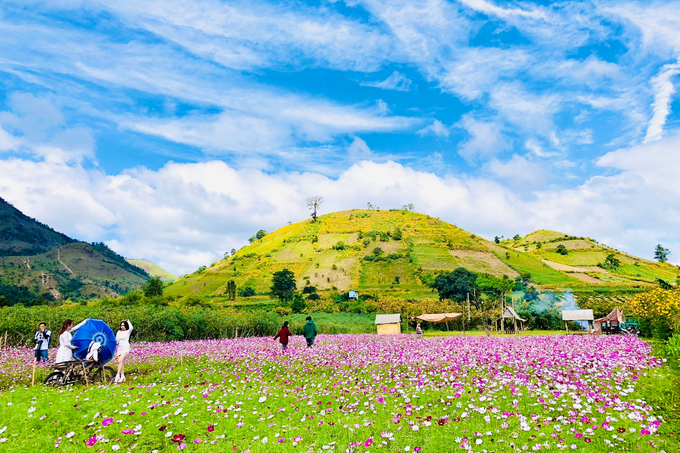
313,203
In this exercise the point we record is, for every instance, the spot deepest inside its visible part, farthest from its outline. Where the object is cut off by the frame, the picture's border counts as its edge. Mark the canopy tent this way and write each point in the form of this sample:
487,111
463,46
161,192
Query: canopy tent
578,316
94,331
438,318
388,324
510,313
616,316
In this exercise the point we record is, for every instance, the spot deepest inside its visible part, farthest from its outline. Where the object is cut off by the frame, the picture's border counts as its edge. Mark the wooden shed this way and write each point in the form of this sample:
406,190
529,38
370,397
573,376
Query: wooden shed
388,324
578,316
510,314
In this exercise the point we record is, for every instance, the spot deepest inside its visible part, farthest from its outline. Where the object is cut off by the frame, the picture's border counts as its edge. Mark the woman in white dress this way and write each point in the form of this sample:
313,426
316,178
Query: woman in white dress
65,351
123,340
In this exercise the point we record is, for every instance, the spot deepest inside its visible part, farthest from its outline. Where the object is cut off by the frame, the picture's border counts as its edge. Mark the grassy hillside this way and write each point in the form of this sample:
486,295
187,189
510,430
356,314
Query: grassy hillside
75,271
21,235
337,252
582,256
153,270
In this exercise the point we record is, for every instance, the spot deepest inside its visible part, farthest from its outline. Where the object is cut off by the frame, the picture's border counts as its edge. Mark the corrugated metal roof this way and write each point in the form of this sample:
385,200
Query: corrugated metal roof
577,315
388,319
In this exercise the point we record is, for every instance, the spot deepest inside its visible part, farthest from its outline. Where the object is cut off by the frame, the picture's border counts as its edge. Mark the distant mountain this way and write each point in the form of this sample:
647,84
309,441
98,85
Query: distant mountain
340,251
40,264
21,235
154,270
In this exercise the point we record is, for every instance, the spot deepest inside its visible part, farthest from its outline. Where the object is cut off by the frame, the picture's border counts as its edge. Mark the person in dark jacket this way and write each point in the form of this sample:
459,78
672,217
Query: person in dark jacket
310,331
283,335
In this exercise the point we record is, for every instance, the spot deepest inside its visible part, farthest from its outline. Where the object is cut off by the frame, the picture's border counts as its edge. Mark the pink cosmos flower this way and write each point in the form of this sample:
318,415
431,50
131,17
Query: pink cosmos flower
368,442
197,441
181,446
91,441
211,428
107,421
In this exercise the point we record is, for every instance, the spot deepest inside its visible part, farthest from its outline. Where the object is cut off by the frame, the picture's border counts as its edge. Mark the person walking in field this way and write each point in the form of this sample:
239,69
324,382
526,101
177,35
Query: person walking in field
284,335
310,332
123,349
42,343
65,351
419,332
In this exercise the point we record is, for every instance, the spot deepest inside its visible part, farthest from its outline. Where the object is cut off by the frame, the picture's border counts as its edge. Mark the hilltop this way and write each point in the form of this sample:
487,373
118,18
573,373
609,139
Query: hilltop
21,235
337,252
37,262
153,270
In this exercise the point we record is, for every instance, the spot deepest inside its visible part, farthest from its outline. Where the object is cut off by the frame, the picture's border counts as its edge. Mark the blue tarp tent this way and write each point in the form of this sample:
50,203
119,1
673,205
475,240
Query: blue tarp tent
94,330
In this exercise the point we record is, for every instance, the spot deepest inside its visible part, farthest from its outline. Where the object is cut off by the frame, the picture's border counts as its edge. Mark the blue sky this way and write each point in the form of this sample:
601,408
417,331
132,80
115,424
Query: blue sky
174,129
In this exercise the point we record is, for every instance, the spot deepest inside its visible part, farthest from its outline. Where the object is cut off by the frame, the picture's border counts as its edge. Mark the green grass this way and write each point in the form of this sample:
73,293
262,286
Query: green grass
541,272
433,257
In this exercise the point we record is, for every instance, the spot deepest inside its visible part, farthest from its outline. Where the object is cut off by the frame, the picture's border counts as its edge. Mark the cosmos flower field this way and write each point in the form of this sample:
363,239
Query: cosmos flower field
350,393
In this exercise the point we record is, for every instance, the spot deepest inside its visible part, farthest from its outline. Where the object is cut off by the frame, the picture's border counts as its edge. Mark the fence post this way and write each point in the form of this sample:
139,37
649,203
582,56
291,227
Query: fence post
35,361
236,334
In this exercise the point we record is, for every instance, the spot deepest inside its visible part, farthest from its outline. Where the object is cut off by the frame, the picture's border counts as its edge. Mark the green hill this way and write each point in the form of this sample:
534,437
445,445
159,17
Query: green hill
337,252
21,235
153,270
37,262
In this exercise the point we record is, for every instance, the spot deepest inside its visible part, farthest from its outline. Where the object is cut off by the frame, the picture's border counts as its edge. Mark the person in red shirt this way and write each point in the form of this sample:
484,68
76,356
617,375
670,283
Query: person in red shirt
283,335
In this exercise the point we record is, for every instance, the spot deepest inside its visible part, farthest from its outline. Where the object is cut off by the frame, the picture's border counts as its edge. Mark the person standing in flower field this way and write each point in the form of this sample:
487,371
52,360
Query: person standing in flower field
310,332
65,351
42,343
419,331
283,335
123,340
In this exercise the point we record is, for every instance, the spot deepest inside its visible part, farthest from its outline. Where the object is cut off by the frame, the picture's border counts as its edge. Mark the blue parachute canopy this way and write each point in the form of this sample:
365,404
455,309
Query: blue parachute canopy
94,330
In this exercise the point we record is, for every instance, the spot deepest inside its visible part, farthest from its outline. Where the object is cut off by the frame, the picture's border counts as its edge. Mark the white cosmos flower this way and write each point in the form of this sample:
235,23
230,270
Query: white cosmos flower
262,399
69,435
264,440
178,411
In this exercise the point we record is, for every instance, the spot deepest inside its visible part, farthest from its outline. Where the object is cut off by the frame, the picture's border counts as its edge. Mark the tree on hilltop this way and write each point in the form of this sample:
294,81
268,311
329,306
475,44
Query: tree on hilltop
661,253
455,285
283,285
313,203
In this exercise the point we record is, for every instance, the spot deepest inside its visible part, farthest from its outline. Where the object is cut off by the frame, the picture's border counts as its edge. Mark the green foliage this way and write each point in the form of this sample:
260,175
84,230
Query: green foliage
246,291
309,290
672,347
231,290
664,284
153,287
455,285
661,253
200,269
260,234
517,238
611,263
497,240
397,234
152,322
298,303
561,249
283,285
339,246
378,251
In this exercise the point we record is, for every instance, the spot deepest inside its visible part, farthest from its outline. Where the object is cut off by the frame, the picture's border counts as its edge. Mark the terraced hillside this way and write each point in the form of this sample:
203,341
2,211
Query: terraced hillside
585,259
389,252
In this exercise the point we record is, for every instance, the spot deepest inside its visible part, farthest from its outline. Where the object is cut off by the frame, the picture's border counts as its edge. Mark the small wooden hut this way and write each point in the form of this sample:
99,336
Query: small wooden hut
510,313
578,316
388,324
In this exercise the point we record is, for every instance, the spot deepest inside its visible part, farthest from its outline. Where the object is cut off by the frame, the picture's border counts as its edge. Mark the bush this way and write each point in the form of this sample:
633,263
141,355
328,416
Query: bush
298,303
246,292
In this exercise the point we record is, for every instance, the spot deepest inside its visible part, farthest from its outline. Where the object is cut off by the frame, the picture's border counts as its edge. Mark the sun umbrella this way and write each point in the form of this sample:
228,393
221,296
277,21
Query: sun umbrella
94,330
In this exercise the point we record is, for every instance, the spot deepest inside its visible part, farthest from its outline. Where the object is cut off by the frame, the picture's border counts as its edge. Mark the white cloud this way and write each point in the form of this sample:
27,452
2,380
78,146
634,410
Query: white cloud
489,8
518,170
437,128
397,81
663,92
485,139
359,150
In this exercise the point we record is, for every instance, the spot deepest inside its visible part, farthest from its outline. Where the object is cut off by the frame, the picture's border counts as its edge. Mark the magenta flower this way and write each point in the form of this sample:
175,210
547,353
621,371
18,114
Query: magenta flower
197,441
368,442
107,421
91,441
211,428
